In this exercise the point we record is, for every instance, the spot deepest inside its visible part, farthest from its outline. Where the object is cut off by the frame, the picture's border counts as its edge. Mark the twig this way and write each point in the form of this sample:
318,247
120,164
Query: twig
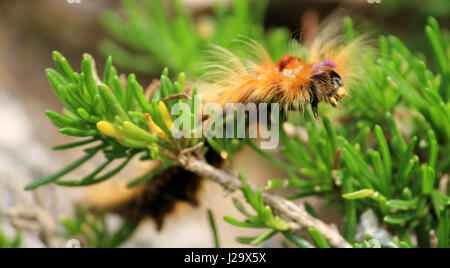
38,220
154,85
337,183
295,213
175,96
443,184
193,148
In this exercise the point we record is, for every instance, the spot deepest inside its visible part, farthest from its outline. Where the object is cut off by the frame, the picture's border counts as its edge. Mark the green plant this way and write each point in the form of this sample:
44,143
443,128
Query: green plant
93,230
158,39
406,195
263,219
114,119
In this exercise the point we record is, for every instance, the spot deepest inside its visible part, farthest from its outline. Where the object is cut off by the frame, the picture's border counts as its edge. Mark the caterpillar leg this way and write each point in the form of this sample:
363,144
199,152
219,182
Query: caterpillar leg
314,106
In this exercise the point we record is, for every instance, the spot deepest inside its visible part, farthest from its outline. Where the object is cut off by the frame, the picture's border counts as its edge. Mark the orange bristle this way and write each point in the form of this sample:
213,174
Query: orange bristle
255,78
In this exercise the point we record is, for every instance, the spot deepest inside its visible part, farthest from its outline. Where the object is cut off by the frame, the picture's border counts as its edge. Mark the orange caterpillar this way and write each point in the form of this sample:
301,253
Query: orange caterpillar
292,82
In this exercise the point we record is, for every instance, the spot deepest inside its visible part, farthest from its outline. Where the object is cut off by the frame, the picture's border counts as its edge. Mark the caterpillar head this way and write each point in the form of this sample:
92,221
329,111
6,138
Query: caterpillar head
326,85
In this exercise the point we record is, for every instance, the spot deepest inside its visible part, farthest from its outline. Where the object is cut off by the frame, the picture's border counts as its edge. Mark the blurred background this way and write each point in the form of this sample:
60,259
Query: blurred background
31,30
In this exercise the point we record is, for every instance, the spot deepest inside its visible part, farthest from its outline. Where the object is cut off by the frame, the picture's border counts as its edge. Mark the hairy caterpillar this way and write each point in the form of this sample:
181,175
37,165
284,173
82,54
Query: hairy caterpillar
292,82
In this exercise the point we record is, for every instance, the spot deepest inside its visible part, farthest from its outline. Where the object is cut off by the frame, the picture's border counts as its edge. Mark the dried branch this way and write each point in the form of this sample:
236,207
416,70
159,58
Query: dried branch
38,220
296,214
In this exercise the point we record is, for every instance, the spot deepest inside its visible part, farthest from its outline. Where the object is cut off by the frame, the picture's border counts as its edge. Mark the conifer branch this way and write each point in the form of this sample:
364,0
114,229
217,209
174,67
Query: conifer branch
296,214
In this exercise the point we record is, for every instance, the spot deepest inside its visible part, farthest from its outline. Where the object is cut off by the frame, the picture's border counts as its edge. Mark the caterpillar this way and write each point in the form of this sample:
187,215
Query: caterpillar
293,82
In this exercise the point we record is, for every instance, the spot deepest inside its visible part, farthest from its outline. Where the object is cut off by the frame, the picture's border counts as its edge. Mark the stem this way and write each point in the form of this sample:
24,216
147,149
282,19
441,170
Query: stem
297,214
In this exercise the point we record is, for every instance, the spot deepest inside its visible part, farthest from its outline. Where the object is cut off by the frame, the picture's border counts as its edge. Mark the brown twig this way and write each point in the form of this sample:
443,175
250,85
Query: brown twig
296,215
38,220
193,148
443,184
154,85
175,96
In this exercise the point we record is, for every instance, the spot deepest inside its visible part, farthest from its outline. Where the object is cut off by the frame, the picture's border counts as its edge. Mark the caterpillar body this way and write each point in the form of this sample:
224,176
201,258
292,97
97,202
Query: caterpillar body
292,82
